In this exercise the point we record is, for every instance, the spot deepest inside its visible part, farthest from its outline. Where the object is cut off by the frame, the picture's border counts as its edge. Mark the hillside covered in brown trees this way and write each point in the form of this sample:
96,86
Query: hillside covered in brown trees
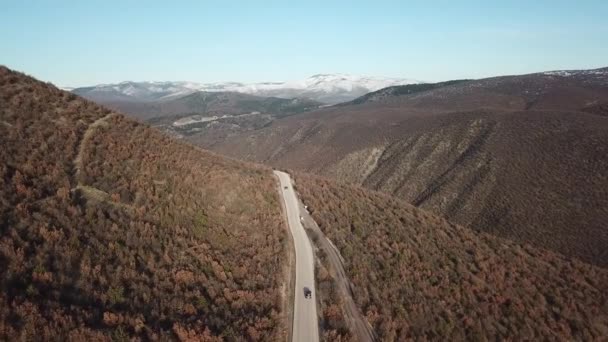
418,277
109,230
521,157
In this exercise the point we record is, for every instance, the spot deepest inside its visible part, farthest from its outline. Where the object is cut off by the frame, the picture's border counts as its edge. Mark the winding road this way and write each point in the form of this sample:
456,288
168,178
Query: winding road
305,322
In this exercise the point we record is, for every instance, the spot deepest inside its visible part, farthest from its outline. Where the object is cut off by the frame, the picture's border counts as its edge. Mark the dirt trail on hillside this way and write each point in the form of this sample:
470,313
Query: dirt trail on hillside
85,138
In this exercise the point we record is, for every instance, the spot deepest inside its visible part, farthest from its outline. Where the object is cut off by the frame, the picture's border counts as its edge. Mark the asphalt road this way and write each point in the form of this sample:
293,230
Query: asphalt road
305,322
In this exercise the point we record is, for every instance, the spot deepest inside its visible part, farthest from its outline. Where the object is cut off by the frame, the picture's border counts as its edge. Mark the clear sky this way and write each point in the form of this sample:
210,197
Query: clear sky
76,43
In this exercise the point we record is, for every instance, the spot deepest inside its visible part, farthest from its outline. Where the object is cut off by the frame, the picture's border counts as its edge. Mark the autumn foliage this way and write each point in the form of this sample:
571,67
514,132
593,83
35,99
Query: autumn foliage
110,230
417,276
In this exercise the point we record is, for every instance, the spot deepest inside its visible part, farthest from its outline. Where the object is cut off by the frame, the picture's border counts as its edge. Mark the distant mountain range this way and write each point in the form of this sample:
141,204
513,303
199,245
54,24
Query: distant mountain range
325,88
522,157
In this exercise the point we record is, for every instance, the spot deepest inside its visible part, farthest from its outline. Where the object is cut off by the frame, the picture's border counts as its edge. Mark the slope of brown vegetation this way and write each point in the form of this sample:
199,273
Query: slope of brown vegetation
112,231
340,317
523,157
417,276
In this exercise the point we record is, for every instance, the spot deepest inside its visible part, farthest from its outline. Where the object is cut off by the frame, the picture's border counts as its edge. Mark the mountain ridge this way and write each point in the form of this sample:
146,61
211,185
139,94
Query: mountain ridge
327,88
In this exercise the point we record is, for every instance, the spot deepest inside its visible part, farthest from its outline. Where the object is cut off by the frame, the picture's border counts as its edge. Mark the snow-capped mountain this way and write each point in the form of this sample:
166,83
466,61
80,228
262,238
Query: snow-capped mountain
327,88
137,91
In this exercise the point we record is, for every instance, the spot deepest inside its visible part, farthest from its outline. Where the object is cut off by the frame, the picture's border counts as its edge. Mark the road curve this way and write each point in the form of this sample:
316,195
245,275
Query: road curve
305,322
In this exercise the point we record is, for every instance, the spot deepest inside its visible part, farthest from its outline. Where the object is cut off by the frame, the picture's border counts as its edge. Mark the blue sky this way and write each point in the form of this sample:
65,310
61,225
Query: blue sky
75,43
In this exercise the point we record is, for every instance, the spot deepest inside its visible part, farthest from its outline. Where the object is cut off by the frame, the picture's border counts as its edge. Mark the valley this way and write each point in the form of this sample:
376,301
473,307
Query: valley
507,155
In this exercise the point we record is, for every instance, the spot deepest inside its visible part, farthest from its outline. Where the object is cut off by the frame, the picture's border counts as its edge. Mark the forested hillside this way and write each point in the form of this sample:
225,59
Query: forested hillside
417,276
109,230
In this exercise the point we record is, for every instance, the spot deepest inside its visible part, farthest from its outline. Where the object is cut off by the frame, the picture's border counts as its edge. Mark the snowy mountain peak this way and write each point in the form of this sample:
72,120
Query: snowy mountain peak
328,88
332,82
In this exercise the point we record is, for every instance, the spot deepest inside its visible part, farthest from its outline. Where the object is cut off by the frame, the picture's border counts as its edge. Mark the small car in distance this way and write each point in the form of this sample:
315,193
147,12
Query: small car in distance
307,293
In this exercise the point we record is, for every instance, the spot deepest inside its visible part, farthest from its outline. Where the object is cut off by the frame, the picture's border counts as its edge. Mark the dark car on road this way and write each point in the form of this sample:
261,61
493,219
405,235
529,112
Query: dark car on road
307,293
